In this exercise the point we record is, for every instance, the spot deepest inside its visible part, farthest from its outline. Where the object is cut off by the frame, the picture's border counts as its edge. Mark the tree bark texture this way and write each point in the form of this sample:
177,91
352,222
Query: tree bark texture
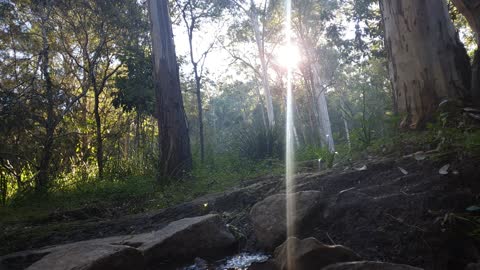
174,142
427,62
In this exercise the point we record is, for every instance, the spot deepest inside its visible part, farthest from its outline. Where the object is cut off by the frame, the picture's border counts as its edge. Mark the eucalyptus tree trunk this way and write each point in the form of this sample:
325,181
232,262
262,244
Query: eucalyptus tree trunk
427,62
259,39
345,123
174,142
324,118
471,10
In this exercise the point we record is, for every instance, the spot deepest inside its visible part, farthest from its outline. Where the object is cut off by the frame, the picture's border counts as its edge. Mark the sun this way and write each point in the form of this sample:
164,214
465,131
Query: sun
288,55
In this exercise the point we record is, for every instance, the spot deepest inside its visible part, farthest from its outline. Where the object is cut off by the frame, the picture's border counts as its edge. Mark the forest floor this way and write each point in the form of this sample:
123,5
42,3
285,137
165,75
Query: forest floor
408,209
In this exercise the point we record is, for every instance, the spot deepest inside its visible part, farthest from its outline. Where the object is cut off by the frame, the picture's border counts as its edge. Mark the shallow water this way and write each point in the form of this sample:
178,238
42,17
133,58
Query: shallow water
238,262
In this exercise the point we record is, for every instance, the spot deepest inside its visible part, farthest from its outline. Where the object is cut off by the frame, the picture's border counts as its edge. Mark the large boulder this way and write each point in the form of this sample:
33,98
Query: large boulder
92,257
269,216
310,254
370,266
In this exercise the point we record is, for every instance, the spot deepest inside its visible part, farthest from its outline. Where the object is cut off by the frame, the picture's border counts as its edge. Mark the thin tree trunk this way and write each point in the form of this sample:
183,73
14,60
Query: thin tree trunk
136,140
345,124
427,63
50,123
260,99
200,116
174,142
295,124
98,129
301,128
198,78
311,108
3,188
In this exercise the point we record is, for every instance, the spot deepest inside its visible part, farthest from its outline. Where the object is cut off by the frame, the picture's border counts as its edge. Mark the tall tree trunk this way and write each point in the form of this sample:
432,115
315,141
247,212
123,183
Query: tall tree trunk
253,16
174,142
43,175
427,63
324,117
200,115
191,23
471,10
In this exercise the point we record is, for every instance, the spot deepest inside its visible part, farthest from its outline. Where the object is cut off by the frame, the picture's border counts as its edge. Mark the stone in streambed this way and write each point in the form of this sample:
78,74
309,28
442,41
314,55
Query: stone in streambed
269,218
370,266
310,254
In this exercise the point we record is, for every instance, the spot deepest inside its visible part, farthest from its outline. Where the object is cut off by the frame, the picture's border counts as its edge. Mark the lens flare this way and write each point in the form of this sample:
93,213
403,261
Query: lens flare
288,55
290,177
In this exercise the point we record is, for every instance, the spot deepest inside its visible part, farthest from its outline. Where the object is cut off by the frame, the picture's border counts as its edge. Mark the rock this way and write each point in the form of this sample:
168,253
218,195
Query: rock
370,266
204,236
269,217
310,254
473,266
92,257
182,240
267,265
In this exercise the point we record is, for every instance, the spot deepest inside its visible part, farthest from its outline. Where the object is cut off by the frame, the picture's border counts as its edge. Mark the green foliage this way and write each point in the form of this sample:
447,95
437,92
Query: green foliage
135,84
322,154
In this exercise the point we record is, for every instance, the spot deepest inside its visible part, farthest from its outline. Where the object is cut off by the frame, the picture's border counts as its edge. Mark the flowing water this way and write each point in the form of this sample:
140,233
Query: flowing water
289,155
238,262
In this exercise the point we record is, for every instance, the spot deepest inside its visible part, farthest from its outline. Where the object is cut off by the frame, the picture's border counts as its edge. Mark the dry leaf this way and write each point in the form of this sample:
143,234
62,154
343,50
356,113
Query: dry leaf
403,170
420,155
363,168
444,170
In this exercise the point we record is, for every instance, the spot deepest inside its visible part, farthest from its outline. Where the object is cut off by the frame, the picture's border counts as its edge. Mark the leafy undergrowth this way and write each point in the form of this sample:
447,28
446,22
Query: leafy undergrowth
111,198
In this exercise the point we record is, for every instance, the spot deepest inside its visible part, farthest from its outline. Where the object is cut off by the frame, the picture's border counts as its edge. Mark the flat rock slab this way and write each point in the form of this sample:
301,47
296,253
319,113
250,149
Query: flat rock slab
370,266
204,236
92,257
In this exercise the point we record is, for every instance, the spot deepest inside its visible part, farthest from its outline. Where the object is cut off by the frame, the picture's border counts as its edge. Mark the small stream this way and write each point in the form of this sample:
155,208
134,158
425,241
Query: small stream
237,262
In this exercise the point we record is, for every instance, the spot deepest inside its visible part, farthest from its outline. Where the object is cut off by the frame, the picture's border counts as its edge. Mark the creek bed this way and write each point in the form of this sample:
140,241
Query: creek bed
240,261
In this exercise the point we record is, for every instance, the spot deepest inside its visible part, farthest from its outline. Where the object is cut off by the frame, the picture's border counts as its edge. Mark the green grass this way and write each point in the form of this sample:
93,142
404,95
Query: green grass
135,194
